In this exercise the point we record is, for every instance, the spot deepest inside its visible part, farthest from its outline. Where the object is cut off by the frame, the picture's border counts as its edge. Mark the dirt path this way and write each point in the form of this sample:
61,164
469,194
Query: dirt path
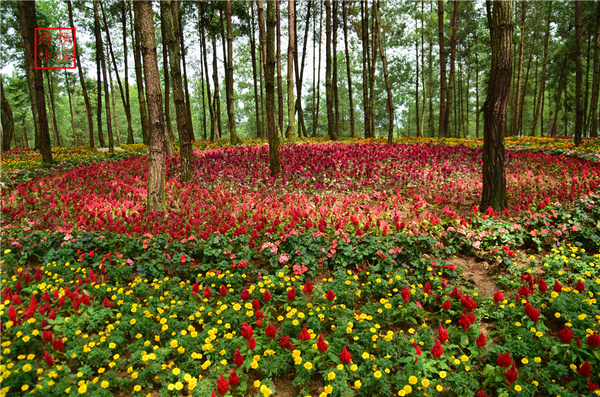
476,272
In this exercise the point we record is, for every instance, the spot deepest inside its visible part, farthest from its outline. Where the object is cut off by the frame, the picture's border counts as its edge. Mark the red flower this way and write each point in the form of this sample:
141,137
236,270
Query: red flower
107,304
238,358
511,374
271,331
532,312
206,292
447,305
284,342
578,342
247,331
481,393
234,378
405,294
267,295
48,359
542,286
443,334
566,335
308,288
245,295
593,340
417,349
38,275
291,294
255,304
330,295
557,286
223,291
580,286
592,386
57,344
47,334
504,360
498,297
585,369
252,343
322,345
304,335
468,303
222,385
195,288
12,313
437,350
345,356
481,341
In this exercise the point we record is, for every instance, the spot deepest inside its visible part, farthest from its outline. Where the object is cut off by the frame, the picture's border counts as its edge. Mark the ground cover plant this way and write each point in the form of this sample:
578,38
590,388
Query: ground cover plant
349,275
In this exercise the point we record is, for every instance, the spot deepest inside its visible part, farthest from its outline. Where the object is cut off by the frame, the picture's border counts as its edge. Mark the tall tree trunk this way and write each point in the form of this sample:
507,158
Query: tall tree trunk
477,109
52,108
139,78
523,94
351,103
156,155
317,75
257,105
543,76
586,119
68,85
217,95
98,73
388,86
328,84
291,130
422,131
274,162
450,92
496,103
300,69
224,43
109,132
372,70
579,112
171,16
417,115
518,104
262,35
279,74
211,108
127,100
166,74
186,88
595,79
561,83
366,64
114,105
7,120
233,137
442,128
334,79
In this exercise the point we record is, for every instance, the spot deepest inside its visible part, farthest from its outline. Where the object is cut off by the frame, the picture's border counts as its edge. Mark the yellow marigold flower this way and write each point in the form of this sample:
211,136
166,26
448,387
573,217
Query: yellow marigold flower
174,343
82,389
525,360
425,382
112,345
537,360
176,371
308,365
328,389
377,374
24,387
439,388
104,384
358,384
413,380
331,376
442,374
408,389
257,384
518,388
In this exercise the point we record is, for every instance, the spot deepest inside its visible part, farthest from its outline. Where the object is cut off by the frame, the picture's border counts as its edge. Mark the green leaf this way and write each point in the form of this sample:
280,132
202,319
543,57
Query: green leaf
464,340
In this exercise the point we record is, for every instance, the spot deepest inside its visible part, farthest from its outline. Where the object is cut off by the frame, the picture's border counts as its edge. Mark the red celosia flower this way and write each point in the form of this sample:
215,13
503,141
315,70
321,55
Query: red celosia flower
284,342
222,385
304,335
566,335
481,341
233,378
437,350
247,331
580,286
447,305
427,288
245,295
238,358
592,386
594,340
195,288
48,359
543,287
481,393
578,342
267,295
206,292
47,334
308,288
16,299
38,275
504,360
468,303
417,349
291,294
322,345
345,356
585,369
12,313
107,304
557,286
57,344
223,290
252,343
511,374
271,331
213,394
255,304
405,294
443,334
532,312
330,295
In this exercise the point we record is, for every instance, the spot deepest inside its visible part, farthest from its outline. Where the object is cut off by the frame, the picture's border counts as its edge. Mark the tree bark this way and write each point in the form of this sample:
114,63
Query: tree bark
127,100
422,131
351,102
523,93
186,89
7,120
388,86
595,79
300,69
417,115
217,95
334,78
518,104
366,64
139,77
328,83
233,137
156,156
166,75
98,38
68,85
102,64
291,130
372,70
262,35
579,115
543,76
171,11
450,91
52,108
274,162
561,84
496,103
114,105
442,120
257,107
28,22
477,109
317,76
279,74
211,109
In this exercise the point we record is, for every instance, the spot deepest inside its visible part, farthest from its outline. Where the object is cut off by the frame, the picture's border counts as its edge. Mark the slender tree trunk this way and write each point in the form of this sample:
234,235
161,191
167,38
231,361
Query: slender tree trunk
595,78
366,64
579,112
373,70
422,131
156,155
274,162
166,74
217,96
257,105
477,109
86,98
7,120
468,103
211,107
98,73
186,88
328,83
109,132
114,105
68,84
518,104
586,119
139,76
450,92
442,128
388,86
561,84
300,69
171,16
317,75
523,95
535,96
417,113
334,79
233,137
127,100
351,103
262,35
291,130
279,74
53,108
496,103
202,91
543,76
